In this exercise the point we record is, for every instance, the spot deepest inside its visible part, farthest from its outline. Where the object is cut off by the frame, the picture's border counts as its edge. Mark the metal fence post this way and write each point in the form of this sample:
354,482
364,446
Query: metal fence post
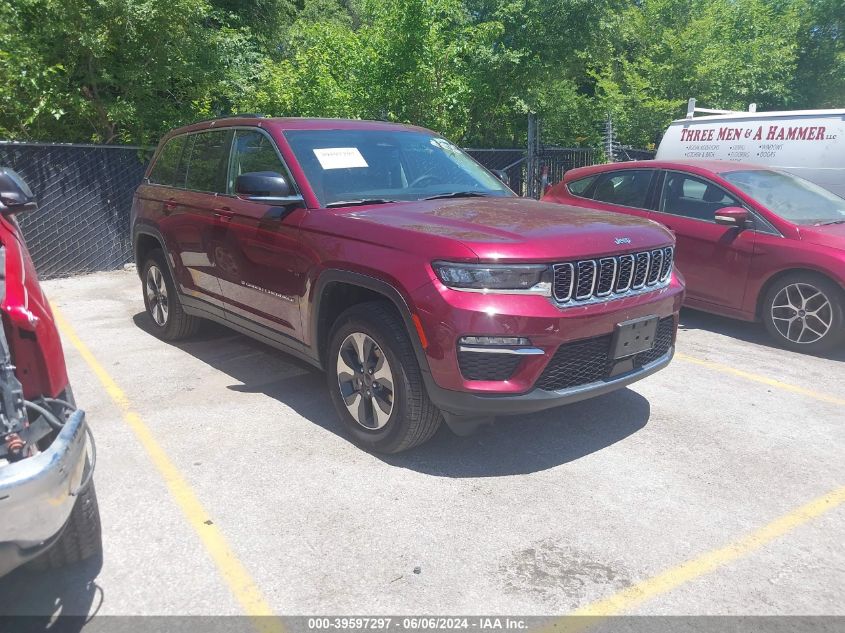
533,151
609,140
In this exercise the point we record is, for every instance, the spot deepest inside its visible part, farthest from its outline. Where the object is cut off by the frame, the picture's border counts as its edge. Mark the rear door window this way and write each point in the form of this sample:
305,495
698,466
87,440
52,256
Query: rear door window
209,161
693,197
627,188
164,170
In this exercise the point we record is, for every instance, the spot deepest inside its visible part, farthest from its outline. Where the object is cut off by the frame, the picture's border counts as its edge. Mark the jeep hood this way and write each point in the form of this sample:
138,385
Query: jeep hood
518,228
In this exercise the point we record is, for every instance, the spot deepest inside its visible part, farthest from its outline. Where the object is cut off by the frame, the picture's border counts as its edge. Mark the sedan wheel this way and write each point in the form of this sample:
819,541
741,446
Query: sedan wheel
365,380
802,313
157,300
805,312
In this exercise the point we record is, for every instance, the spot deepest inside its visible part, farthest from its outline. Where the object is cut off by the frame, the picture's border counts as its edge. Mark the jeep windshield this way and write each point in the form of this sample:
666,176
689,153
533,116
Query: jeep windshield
792,198
351,166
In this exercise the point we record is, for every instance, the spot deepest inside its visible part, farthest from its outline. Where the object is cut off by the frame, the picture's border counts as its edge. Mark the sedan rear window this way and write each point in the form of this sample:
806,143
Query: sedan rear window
628,188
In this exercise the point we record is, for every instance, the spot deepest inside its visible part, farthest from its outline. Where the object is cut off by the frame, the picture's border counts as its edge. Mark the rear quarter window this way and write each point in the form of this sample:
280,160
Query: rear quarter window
579,187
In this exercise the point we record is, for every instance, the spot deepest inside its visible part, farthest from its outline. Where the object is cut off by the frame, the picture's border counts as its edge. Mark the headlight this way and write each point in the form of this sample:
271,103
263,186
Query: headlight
497,278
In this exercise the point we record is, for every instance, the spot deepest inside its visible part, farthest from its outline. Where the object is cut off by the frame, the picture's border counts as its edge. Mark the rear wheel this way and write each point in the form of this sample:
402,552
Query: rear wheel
375,381
805,312
170,321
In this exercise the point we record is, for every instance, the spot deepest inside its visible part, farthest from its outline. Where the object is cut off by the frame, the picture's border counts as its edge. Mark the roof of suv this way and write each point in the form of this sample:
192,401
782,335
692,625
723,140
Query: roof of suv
713,166
292,123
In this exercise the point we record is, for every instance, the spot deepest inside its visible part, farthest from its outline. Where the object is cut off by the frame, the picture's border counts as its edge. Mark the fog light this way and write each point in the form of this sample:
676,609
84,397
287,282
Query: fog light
493,340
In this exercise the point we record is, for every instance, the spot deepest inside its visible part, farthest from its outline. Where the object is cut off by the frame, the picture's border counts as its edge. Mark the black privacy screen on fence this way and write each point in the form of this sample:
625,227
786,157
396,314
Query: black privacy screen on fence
84,198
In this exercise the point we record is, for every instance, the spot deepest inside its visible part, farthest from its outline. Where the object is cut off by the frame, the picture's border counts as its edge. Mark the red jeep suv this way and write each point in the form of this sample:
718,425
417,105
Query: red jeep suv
386,256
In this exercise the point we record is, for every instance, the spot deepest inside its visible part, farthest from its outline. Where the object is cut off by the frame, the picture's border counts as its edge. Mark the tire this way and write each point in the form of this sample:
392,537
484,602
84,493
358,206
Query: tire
170,322
411,417
805,312
81,538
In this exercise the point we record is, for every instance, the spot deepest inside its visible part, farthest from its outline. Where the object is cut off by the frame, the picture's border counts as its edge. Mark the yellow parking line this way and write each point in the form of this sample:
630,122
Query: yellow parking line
235,574
771,382
627,599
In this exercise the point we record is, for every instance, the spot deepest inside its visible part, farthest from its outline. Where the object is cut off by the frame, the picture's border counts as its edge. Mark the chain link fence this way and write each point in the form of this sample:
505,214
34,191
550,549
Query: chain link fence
510,161
548,167
554,162
84,197
622,154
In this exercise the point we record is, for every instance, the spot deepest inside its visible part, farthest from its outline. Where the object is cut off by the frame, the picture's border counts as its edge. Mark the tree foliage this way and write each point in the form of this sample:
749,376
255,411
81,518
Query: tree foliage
127,70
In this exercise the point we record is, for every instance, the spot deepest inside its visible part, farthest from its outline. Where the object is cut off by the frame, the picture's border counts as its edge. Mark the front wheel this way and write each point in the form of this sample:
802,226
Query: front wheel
805,312
375,381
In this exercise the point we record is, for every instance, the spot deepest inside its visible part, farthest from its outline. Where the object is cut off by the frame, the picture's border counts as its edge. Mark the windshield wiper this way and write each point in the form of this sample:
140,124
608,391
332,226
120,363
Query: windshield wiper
830,222
358,203
459,194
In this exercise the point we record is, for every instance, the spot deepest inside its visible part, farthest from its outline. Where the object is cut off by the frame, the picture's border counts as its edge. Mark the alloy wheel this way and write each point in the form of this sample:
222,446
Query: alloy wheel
802,313
365,380
157,299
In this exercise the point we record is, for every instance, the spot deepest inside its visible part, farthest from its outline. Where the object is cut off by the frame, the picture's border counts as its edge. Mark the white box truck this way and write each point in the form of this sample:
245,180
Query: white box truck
807,143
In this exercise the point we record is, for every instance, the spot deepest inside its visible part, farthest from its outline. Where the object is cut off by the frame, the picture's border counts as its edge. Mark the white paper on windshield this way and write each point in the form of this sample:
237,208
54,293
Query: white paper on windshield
340,157
442,143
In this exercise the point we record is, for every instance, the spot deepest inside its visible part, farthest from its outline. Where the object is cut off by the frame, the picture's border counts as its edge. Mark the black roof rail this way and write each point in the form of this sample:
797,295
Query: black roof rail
245,115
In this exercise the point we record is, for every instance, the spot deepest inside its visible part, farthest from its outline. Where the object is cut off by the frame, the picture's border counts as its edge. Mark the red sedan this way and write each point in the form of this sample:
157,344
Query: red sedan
753,243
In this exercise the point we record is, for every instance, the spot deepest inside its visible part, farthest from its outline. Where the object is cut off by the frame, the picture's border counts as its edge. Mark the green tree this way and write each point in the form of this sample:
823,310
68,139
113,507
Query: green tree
725,53
128,70
820,76
114,70
320,73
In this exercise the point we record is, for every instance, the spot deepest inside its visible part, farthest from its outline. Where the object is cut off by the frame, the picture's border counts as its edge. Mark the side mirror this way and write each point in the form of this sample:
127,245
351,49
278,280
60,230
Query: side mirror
732,216
266,186
15,194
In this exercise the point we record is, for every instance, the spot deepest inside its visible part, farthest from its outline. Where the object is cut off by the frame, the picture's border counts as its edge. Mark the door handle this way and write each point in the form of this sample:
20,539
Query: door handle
170,205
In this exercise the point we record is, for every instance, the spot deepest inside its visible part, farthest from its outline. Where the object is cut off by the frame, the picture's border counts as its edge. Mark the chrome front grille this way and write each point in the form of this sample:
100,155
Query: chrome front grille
585,283
641,263
608,278
625,273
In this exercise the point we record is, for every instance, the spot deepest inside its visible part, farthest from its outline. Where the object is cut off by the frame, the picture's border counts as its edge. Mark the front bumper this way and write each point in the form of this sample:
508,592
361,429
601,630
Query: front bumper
36,495
447,315
458,405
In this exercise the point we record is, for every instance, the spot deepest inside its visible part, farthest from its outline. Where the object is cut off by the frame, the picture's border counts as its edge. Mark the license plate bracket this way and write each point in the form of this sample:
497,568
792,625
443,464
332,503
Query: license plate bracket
633,337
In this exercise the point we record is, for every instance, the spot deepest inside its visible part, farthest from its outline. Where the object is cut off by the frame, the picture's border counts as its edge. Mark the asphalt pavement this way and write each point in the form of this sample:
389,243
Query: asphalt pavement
540,514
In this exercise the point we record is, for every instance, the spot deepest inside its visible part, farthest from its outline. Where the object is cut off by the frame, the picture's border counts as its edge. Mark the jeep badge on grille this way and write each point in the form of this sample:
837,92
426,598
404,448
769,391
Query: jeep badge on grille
622,240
